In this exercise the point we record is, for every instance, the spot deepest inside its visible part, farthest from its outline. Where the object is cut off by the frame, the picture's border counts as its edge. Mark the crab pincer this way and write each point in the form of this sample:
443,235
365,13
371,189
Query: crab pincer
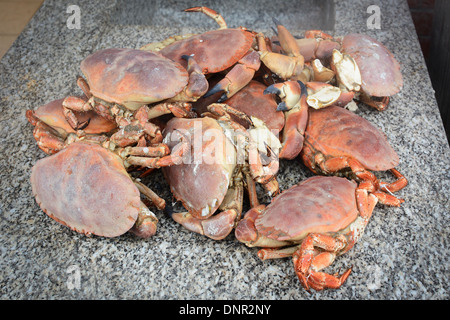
293,95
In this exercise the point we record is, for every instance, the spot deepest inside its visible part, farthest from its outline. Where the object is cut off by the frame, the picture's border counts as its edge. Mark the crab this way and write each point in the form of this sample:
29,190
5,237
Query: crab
86,187
223,49
339,142
380,71
52,131
130,86
224,158
313,222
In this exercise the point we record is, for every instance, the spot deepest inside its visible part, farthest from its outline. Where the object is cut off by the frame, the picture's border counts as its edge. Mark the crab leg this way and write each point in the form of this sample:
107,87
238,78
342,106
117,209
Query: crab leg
293,95
380,105
238,77
197,84
159,202
178,109
146,223
397,185
210,13
217,226
308,261
369,180
288,66
47,138
71,104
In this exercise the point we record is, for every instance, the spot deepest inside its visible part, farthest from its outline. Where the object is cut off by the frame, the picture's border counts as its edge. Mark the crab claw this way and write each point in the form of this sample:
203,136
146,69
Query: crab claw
293,95
216,227
238,77
287,66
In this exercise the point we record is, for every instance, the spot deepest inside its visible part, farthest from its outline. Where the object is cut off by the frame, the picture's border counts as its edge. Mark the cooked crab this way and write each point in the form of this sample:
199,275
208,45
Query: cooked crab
225,49
224,157
380,71
51,130
314,221
130,87
87,188
339,142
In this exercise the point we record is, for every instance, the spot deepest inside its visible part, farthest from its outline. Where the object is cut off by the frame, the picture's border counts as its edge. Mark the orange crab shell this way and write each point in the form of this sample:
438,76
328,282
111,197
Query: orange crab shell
200,184
133,77
214,51
52,115
252,101
319,204
86,188
335,131
380,71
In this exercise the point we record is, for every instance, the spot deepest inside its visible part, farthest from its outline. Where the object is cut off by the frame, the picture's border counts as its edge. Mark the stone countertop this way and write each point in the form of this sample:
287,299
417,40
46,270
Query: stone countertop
402,255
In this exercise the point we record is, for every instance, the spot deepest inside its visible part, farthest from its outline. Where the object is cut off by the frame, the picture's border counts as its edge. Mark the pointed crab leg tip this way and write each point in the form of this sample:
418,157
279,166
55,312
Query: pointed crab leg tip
276,21
168,210
303,88
272,89
223,98
282,106
214,90
274,31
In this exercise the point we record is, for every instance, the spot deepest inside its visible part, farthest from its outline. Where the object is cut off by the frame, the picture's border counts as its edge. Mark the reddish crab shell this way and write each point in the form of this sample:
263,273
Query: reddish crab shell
380,71
318,204
52,115
87,188
335,131
214,51
200,184
132,77
252,101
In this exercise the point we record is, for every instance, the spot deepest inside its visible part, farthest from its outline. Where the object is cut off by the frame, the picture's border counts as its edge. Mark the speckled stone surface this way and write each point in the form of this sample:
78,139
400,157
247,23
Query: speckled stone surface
404,253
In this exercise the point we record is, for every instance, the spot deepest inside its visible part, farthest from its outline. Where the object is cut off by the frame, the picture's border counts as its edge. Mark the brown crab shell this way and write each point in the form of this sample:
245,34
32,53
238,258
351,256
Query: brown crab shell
86,188
380,71
319,204
252,101
132,77
214,51
200,183
335,131
52,115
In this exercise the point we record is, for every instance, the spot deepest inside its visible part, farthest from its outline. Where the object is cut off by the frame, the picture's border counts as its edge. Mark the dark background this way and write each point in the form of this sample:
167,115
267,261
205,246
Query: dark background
433,30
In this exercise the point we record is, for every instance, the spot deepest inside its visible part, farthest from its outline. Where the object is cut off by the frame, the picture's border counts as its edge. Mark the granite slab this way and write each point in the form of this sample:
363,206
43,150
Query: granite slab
404,253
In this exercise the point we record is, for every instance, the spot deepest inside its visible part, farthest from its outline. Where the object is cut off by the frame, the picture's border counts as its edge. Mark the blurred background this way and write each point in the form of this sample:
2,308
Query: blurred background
433,32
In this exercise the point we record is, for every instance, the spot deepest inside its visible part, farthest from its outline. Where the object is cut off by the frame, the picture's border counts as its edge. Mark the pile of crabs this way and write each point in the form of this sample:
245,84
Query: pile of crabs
216,112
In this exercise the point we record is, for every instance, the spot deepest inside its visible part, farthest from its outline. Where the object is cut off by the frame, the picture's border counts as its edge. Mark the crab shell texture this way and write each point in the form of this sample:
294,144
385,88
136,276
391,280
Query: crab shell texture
252,101
335,132
214,51
200,182
380,71
319,204
132,77
86,188
52,115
